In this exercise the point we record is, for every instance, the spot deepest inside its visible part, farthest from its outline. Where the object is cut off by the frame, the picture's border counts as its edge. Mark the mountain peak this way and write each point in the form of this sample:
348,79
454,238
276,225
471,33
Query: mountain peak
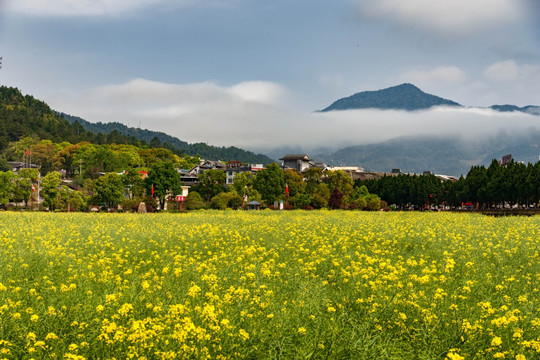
400,97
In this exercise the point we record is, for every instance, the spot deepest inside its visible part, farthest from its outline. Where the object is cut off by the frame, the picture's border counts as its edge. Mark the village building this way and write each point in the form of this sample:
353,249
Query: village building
298,162
207,165
236,167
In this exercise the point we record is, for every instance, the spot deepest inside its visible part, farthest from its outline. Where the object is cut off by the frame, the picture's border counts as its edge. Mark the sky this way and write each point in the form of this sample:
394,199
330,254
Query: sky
251,74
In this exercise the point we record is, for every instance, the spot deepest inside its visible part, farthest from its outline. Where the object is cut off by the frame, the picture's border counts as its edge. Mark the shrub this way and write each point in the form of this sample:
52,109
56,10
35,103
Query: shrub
194,201
235,202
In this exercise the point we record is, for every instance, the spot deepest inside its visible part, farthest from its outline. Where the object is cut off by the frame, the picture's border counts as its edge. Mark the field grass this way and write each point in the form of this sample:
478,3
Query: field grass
269,285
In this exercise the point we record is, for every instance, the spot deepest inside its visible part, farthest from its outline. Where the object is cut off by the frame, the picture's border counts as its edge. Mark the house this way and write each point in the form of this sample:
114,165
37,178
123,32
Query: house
207,165
235,167
188,178
298,162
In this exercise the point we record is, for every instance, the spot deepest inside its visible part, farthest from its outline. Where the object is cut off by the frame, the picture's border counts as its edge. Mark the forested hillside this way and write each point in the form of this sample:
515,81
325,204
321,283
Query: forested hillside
157,138
24,116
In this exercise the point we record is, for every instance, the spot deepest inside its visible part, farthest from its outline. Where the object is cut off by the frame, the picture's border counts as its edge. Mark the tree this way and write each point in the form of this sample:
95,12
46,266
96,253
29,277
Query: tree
133,184
109,189
336,199
4,166
270,183
211,183
50,189
313,176
165,180
6,186
318,201
77,201
194,201
373,202
340,180
294,181
243,182
221,200
235,202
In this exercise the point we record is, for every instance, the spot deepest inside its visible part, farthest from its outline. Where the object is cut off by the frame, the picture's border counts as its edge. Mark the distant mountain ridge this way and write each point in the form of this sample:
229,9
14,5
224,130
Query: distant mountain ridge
401,97
410,98
443,155
204,150
529,109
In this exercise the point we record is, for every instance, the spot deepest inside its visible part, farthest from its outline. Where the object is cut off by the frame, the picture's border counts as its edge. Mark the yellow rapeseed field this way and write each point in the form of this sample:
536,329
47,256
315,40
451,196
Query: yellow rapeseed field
269,285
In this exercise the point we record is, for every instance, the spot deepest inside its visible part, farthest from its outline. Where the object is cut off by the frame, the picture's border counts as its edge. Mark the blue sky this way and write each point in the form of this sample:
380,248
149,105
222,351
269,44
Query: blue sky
250,73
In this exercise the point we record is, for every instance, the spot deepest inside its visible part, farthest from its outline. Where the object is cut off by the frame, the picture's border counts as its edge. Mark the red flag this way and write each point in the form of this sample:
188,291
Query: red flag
152,189
287,189
33,188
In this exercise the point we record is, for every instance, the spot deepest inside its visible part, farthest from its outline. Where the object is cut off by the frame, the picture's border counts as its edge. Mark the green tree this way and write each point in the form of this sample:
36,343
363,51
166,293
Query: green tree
313,177
294,181
165,180
4,166
133,184
270,183
211,183
7,179
340,180
221,200
77,201
109,189
50,189
235,202
194,201
243,182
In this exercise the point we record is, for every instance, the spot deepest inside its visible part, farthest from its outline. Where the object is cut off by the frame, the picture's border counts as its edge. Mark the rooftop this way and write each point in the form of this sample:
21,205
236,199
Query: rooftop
296,157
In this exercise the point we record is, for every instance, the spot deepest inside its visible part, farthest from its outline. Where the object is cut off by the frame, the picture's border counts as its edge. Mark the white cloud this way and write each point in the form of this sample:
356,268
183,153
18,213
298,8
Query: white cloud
441,74
92,7
521,83
445,16
509,71
259,91
250,119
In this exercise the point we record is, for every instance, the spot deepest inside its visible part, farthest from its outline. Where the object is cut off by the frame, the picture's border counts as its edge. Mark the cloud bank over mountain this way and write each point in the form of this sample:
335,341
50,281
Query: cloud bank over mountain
260,116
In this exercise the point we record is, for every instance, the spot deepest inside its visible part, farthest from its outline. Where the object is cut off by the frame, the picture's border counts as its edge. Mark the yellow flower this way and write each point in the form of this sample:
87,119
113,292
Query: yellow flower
496,341
520,357
194,290
34,318
244,334
454,356
51,336
145,284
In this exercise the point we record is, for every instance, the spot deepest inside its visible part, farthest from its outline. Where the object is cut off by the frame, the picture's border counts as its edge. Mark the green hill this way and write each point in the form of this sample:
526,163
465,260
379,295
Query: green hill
156,138
23,115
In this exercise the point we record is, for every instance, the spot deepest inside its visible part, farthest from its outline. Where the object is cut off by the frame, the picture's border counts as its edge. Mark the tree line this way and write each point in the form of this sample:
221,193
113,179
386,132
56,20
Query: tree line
313,189
514,184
